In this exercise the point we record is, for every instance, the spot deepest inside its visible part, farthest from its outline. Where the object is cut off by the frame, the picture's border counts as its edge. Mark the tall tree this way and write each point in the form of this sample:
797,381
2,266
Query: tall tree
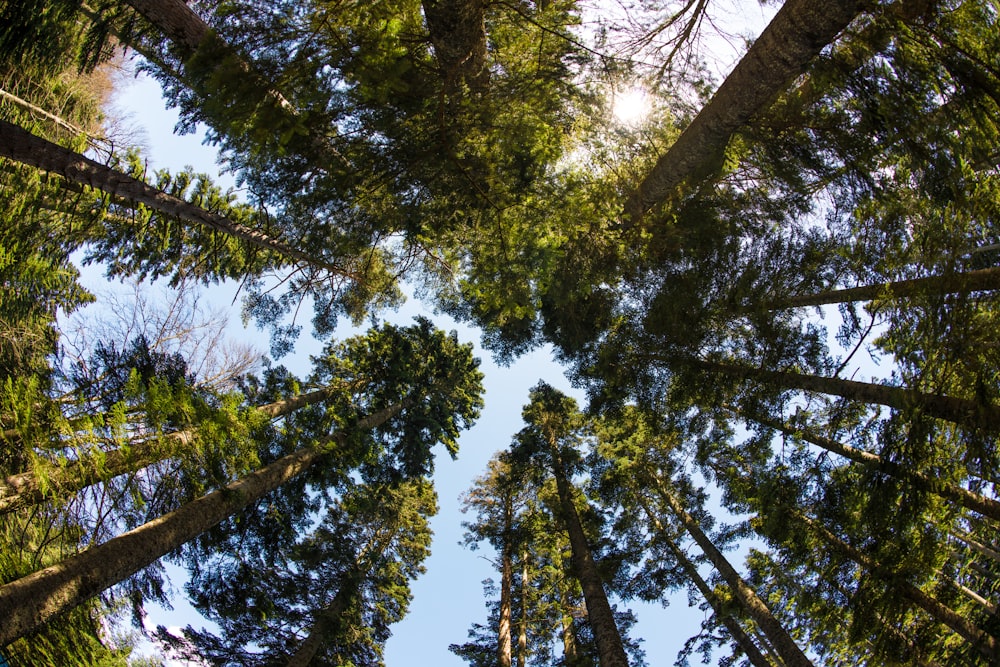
552,432
430,393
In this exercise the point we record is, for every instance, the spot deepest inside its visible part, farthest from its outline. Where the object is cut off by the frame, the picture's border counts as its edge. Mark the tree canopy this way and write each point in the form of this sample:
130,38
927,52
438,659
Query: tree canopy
777,292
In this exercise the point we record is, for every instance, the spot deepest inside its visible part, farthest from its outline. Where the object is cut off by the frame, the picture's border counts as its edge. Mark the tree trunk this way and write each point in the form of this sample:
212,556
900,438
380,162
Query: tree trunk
326,623
571,653
458,32
741,638
789,651
23,489
977,637
24,147
189,33
798,32
69,127
610,649
28,603
522,630
973,501
503,627
957,283
957,410
506,583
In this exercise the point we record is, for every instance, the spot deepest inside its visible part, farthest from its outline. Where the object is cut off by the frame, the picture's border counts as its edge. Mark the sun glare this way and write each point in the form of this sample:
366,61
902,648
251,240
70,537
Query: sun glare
630,107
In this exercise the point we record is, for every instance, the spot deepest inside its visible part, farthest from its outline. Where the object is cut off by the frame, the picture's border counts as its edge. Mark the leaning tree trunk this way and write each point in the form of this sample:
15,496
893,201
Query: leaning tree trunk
327,622
798,32
786,647
21,146
956,283
741,638
28,603
610,648
957,410
189,33
970,632
973,501
33,487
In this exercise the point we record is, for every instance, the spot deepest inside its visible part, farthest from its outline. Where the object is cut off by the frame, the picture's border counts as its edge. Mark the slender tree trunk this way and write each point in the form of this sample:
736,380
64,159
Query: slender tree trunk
981,280
28,488
969,631
610,648
976,545
60,122
506,582
522,630
985,506
741,638
28,603
798,32
189,33
789,651
22,146
957,410
571,654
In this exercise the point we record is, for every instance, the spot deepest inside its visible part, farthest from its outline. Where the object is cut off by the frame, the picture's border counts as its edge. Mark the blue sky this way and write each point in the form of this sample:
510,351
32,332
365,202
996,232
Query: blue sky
448,598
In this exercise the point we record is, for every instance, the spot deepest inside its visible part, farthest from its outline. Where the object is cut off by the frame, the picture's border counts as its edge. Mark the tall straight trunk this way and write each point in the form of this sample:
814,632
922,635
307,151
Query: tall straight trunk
504,648
973,501
981,280
522,629
741,638
326,623
21,146
29,602
610,648
957,410
504,643
69,127
33,487
782,642
798,32
970,632
976,545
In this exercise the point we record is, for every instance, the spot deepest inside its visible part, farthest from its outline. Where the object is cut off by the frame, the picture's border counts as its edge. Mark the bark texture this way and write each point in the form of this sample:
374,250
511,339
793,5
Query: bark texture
793,38
458,32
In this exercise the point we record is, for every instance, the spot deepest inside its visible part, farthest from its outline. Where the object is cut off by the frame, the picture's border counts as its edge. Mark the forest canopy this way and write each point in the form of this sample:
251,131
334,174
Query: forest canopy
773,289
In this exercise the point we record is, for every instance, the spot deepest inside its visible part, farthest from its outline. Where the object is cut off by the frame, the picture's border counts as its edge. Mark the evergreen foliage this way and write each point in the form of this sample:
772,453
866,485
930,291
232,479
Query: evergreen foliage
683,270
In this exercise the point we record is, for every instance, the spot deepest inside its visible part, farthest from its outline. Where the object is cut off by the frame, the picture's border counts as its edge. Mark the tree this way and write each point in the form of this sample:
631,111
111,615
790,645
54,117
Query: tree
637,461
26,148
782,52
553,428
423,401
330,596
